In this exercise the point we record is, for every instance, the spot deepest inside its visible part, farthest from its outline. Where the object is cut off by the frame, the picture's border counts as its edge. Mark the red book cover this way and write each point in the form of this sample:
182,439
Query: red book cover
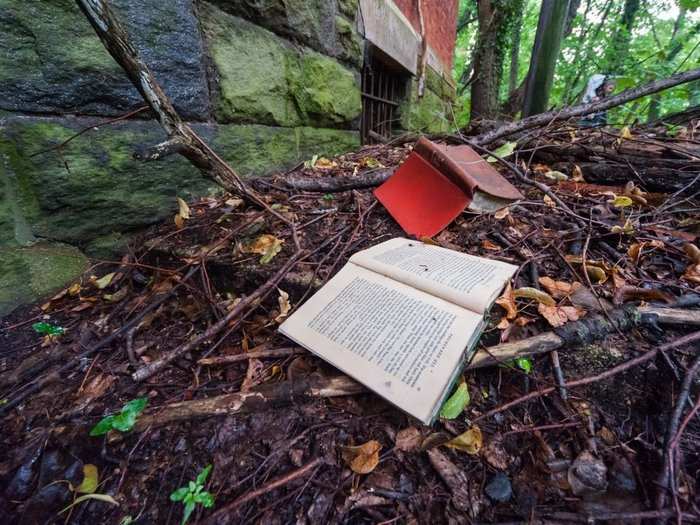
437,183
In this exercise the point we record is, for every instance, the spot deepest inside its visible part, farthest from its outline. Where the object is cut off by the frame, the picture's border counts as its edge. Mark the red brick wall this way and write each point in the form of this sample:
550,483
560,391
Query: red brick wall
440,24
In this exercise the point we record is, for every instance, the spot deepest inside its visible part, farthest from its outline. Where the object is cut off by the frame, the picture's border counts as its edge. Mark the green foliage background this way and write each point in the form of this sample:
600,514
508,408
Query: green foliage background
584,54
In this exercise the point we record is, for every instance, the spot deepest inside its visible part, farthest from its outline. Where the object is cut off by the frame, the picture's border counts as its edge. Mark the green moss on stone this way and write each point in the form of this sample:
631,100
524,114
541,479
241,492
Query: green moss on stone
325,92
265,80
29,274
93,185
427,114
260,150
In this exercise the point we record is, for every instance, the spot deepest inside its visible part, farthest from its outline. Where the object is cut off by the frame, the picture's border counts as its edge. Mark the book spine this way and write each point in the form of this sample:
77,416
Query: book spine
448,167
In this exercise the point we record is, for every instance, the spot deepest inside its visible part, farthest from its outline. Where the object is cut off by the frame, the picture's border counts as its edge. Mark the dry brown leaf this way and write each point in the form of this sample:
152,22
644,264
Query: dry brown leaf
693,252
470,441
494,453
179,221
363,458
502,213
488,245
528,292
507,302
408,439
549,201
558,289
284,304
577,174
253,374
266,245
596,273
184,209
634,293
323,163
692,273
559,315
503,323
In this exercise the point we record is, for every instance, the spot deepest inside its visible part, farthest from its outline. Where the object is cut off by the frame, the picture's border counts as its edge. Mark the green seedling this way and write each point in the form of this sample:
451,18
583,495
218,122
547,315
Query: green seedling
48,329
524,364
193,494
124,420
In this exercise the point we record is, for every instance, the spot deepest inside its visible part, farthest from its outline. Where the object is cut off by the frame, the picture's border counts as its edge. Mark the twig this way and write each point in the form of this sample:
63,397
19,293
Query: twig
665,476
264,489
250,302
651,354
259,354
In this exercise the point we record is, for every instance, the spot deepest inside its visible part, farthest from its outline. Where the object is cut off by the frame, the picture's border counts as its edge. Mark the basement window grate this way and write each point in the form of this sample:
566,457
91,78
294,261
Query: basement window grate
383,87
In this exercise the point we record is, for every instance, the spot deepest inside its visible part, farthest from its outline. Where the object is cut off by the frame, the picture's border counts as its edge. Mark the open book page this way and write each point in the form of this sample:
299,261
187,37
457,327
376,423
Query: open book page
400,342
468,281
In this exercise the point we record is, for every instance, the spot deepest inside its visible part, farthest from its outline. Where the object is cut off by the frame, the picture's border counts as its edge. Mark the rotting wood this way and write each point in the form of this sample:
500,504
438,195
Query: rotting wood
366,179
261,398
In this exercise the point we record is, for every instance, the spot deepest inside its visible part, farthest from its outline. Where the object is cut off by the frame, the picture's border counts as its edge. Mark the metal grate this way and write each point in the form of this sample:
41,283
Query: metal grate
382,89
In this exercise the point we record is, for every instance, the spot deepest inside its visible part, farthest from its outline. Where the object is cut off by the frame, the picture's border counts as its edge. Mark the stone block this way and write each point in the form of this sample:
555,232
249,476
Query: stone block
93,188
314,23
51,61
263,79
29,274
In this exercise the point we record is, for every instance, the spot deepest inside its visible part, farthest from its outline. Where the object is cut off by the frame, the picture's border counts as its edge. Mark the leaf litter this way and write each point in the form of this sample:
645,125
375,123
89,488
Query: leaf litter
551,455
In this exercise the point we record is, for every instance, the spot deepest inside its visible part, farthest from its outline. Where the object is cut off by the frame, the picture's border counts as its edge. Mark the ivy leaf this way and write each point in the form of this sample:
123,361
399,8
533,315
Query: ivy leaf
48,328
454,406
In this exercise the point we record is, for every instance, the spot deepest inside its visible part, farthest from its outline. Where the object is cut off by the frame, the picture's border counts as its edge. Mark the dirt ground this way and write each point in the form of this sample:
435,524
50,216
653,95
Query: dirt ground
593,455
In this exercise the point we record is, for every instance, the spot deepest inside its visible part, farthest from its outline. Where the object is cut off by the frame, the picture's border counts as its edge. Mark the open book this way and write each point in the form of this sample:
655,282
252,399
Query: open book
401,318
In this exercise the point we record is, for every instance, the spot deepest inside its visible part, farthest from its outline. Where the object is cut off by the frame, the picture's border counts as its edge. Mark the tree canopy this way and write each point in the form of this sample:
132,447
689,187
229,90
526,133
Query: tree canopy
632,41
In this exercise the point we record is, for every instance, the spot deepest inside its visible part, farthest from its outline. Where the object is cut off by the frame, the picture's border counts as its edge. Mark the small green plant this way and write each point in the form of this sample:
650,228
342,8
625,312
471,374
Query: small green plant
524,364
193,494
48,329
124,420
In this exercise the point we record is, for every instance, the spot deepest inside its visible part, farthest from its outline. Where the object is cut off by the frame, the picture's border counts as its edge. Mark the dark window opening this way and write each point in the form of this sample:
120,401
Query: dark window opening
383,87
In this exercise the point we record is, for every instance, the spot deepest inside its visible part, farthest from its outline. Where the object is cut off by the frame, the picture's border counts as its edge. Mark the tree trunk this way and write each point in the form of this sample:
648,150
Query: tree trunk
484,91
550,32
495,20
617,52
515,50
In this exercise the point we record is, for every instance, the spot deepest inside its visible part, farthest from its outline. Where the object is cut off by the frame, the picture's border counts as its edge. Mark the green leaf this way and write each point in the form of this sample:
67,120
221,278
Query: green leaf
48,328
454,406
179,494
690,5
135,406
202,476
124,422
90,479
206,499
328,197
524,364
104,426
502,151
189,507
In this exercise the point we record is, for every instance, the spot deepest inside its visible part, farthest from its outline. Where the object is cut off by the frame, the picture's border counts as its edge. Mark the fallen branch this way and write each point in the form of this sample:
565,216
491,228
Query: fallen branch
586,109
548,341
261,398
116,40
367,179
254,354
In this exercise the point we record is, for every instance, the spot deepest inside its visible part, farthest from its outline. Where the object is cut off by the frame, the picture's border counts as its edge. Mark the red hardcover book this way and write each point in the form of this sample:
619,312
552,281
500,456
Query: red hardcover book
436,183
